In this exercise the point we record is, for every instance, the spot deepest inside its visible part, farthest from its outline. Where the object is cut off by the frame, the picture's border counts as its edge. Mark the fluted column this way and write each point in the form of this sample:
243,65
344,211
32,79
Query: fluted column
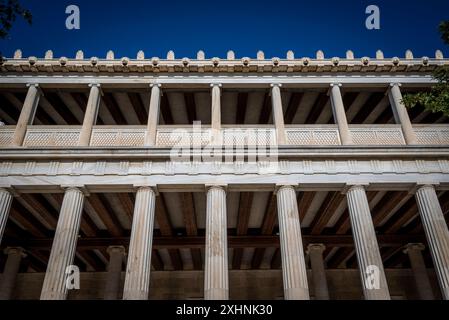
368,255
27,114
339,113
400,113
111,290
294,272
216,281
437,233
315,252
153,115
5,206
216,114
137,281
12,266
64,245
278,113
423,287
90,116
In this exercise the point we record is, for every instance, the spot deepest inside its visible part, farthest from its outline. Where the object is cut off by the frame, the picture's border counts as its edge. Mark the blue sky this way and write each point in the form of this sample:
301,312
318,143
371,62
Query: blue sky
244,26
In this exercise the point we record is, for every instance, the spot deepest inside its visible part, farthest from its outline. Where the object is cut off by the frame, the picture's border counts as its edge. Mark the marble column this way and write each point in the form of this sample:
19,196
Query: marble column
339,113
137,280
5,206
153,115
315,252
216,278
90,116
368,255
114,273
216,114
278,113
294,272
64,245
12,266
400,113
437,233
27,114
423,287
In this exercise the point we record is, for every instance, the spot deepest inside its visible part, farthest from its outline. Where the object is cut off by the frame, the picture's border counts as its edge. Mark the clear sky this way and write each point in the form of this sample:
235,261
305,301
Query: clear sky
244,26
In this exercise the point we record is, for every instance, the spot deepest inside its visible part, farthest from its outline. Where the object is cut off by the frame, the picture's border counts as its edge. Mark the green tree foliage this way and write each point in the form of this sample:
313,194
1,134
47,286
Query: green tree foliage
9,11
437,99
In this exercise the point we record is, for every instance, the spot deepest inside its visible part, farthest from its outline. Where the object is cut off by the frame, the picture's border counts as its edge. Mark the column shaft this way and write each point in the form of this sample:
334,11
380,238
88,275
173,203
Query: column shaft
318,271
294,273
90,117
64,245
216,114
26,115
400,114
153,115
368,255
423,287
437,234
137,281
113,278
339,113
5,206
216,281
8,278
278,113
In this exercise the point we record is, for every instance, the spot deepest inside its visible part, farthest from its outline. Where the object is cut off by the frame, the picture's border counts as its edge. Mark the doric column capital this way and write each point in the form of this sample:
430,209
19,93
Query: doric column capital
315,247
153,188
116,249
15,250
414,247
422,186
78,188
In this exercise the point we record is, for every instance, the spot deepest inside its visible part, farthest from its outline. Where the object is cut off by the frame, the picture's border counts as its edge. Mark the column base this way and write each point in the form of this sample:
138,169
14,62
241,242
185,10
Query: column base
296,294
216,294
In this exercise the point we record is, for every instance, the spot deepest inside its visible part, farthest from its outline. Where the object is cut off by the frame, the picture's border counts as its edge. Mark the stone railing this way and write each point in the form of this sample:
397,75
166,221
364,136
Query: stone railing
306,135
432,134
52,136
118,136
377,134
248,135
6,134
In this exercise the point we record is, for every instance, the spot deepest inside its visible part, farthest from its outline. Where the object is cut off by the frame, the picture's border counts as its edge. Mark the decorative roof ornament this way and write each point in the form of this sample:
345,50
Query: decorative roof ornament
365,61
125,61
79,55
215,61
395,61
171,55
230,55
32,60
350,55
335,61
320,55
200,55
155,61
94,61
63,61
439,55
185,61
275,61
425,60
246,61
140,55
409,55
290,55
18,54
305,61
379,55
49,55
260,55
110,55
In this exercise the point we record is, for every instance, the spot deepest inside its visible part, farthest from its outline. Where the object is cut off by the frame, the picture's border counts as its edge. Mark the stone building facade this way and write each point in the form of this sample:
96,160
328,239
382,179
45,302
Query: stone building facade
210,178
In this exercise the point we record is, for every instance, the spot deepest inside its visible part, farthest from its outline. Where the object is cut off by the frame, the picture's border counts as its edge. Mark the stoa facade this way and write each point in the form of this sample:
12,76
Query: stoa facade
212,178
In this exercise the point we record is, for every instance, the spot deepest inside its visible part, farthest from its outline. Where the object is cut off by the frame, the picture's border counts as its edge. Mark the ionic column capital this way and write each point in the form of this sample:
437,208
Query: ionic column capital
34,85
276,84
15,250
335,84
315,247
397,84
98,85
216,84
155,84
116,249
414,247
